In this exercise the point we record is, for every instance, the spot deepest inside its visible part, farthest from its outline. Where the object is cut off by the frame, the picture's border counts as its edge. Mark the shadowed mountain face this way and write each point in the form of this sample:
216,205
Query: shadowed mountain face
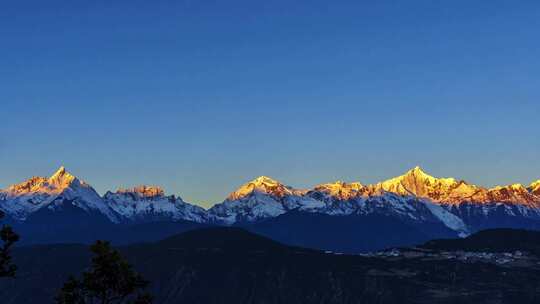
347,234
230,265
73,225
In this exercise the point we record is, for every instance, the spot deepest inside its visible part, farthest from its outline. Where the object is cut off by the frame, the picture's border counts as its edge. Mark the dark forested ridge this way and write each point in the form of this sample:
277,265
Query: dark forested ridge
492,240
231,265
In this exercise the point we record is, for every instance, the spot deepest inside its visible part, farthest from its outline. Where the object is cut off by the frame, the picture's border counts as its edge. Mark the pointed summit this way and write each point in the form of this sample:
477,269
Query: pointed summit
535,187
261,185
60,171
340,189
61,188
53,185
264,180
61,178
417,182
144,191
418,172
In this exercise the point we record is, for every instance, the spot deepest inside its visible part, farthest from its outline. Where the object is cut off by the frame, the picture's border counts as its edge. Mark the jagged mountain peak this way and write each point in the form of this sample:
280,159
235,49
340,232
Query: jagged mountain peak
512,194
341,184
37,193
517,190
264,180
261,185
143,191
418,171
149,203
260,198
60,173
516,187
55,184
535,187
419,174
62,178
416,182
340,189
27,186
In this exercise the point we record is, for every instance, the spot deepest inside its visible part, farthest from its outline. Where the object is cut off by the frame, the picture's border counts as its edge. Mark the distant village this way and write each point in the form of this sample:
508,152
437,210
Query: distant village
513,259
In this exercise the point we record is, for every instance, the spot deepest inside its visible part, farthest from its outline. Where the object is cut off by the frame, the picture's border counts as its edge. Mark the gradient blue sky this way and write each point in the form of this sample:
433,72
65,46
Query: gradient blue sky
201,96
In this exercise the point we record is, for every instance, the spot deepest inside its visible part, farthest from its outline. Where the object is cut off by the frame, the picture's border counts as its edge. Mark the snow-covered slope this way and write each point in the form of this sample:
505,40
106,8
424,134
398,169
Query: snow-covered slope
417,183
449,192
37,193
258,199
352,198
339,198
414,196
149,203
265,198
479,208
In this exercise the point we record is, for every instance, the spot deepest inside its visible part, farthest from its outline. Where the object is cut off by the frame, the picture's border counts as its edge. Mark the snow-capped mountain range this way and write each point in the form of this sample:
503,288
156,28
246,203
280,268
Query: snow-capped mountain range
21,200
149,203
415,197
143,203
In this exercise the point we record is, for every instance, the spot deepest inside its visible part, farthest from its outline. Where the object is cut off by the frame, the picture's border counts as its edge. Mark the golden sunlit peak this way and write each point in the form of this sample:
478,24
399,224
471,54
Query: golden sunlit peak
60,170
511,188
28,186
535,188
264,180
517,186
61,174
342,184
62,179
144,190
417,171
262,184
341,189
55,184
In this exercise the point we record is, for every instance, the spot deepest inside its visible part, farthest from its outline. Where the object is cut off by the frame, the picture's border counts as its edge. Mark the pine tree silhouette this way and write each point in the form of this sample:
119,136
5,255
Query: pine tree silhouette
110,280
8,237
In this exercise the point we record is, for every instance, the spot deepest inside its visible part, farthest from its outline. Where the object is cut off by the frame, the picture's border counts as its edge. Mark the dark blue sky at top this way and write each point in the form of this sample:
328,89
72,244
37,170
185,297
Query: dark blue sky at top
201,96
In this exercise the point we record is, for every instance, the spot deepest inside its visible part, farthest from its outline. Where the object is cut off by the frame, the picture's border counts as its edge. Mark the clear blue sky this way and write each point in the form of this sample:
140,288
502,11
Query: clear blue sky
201,96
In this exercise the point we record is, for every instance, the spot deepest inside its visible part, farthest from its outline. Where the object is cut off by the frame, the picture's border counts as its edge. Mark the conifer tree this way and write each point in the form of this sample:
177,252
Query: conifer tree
110,280
8,237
